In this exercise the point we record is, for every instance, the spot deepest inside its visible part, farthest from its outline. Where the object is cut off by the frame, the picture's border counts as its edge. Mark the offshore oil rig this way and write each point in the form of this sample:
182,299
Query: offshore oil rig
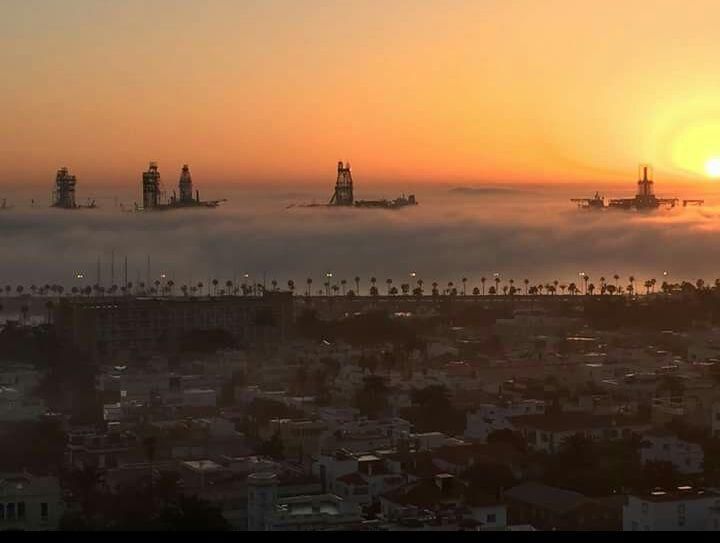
63,196
154,196
343,195
643,200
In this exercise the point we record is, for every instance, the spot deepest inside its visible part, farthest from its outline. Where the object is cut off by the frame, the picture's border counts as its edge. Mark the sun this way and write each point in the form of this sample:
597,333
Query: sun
712,167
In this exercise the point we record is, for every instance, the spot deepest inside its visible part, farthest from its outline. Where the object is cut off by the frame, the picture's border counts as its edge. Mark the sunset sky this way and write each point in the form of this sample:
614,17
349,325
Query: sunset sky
430,91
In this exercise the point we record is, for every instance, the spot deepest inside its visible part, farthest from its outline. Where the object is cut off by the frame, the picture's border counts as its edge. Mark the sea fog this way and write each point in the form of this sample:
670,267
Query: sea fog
470,230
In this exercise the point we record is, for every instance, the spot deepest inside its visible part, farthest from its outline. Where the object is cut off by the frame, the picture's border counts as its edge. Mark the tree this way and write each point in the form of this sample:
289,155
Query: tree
371,398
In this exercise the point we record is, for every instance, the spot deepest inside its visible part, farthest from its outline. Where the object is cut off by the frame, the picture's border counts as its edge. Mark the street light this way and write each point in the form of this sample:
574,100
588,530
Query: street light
328,276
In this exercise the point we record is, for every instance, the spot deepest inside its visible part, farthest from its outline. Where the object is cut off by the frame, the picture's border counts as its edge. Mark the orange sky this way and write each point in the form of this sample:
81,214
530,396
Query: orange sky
421,90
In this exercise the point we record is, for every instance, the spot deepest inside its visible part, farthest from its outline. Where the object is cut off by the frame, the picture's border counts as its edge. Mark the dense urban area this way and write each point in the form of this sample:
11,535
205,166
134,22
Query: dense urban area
368,405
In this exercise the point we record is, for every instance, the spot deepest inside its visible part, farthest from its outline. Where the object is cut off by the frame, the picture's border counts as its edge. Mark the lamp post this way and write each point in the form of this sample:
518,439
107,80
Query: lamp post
328,278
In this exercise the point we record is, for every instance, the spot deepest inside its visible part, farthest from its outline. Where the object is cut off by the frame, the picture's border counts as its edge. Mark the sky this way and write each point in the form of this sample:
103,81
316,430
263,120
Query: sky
275,92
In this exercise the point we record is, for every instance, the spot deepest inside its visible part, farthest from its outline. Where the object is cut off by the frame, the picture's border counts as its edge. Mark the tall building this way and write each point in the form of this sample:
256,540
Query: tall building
117,329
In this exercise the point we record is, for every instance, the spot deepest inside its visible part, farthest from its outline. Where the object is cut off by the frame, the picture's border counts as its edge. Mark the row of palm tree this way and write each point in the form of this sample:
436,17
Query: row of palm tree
497,286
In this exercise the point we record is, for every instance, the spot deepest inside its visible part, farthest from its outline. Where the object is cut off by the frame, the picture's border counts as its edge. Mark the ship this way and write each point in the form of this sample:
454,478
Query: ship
344,194
644,199
154,196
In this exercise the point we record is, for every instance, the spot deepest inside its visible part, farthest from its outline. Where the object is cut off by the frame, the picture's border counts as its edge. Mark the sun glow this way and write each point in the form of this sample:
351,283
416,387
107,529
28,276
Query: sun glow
712,167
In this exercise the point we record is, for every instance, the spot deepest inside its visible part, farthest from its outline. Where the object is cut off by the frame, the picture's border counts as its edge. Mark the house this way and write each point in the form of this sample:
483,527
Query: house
29,503
439,496
546,433
663,446
681,509
267,511
550,508
488,418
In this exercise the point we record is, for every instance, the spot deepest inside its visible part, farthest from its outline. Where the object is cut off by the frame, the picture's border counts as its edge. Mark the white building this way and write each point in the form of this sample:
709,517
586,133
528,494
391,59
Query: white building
662,446
29,503
17,407
268,512
488,418
682,509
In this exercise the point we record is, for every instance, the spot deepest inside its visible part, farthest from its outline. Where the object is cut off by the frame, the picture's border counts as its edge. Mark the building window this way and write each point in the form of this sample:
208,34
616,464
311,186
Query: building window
491,518
21,511
44,510
10,511
2,511
644,508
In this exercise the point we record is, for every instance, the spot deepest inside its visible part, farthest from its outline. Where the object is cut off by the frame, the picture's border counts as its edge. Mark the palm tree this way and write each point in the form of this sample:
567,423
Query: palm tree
450,286
19,289
291,286
24,309
389,283
492,291
632,282
274,283
435,291
309,285
482,283
648,284
49,305
420,284
497,282
617,278
343,283
476,291
526,282
184,290
591,289
228,286
215,285
335,289
464,285
357,285
572,288
200,286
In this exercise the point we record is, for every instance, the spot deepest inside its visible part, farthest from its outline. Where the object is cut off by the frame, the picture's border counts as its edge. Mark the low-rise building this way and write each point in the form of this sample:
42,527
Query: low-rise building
663,446
681,509
29,503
